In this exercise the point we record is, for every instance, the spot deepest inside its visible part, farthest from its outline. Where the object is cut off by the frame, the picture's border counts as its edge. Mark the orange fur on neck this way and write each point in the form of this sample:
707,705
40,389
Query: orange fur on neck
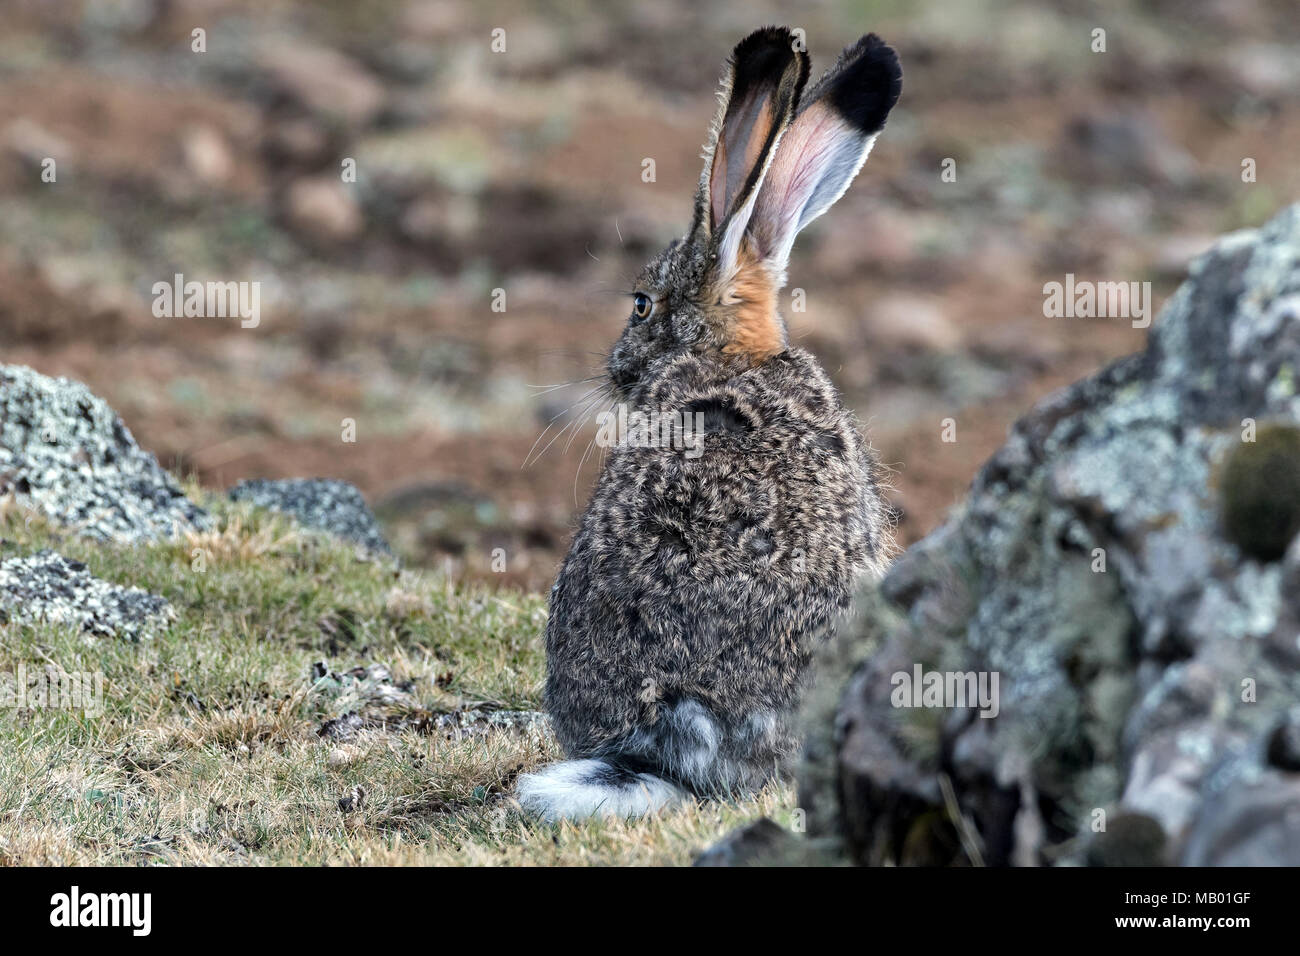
754,329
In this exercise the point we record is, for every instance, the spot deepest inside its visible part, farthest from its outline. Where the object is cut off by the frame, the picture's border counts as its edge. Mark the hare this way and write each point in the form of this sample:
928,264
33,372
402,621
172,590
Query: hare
698,585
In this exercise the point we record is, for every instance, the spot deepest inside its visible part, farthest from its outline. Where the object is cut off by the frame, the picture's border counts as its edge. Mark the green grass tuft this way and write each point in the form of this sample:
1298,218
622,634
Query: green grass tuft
207,748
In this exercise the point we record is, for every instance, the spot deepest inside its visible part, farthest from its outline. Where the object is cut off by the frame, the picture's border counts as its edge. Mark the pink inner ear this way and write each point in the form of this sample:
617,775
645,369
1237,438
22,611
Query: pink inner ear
809,149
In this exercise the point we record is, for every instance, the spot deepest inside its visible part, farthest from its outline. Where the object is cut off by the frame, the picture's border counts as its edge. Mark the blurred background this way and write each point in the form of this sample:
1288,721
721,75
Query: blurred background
522,170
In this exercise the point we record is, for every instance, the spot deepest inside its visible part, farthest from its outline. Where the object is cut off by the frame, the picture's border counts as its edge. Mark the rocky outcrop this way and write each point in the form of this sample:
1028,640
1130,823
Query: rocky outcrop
66,453
1127,567
49,588
322,504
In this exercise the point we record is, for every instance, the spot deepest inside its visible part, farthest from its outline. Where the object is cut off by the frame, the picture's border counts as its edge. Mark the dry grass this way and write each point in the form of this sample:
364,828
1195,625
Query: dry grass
207,748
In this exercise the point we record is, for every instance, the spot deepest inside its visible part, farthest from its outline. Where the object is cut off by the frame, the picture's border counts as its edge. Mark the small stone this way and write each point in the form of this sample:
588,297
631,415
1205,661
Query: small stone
322,504
48,587
353,800
1130,839
751,845
323,207
1284,742
342,728
206,155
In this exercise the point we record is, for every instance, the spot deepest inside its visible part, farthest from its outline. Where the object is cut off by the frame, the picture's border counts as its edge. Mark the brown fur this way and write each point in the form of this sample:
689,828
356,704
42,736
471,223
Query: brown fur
699,583
754,329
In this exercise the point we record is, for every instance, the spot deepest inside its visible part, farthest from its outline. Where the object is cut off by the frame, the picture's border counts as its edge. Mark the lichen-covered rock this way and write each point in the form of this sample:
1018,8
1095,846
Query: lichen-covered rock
1127,566
66,453
757,843
47,587
322,504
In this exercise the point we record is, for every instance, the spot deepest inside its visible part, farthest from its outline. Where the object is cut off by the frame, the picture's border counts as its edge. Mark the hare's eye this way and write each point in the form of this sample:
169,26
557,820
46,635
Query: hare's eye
642,306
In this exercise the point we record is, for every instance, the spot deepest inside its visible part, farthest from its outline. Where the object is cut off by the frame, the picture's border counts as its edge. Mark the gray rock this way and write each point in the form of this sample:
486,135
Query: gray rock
343,728
46,587
1130,839
1115,567
380,715
66,453
754,844
1254,821
322,504
475,722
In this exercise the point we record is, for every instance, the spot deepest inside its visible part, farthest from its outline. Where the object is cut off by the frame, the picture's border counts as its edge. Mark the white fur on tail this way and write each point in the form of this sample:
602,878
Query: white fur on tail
575,789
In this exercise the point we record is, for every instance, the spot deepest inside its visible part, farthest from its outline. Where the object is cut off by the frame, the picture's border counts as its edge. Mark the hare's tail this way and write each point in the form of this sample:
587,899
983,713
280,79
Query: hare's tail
574,789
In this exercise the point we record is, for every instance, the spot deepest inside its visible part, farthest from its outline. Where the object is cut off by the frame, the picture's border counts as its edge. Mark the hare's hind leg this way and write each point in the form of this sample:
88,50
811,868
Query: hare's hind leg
574,789
712,757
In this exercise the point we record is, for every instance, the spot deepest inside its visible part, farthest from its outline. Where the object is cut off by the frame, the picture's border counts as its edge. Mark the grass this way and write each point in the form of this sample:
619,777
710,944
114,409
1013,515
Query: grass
206,748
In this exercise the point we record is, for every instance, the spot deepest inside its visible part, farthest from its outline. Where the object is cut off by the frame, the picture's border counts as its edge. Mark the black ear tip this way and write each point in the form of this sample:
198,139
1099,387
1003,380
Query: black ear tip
868,84
765,37
764,56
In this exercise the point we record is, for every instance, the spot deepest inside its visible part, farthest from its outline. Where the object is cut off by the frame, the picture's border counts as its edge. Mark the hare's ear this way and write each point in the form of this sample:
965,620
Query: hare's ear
825,146
759,95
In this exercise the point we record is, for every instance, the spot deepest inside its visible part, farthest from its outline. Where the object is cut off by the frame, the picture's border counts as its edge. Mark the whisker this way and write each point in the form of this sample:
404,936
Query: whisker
529,457
587,451
599,398
561,432
546,389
